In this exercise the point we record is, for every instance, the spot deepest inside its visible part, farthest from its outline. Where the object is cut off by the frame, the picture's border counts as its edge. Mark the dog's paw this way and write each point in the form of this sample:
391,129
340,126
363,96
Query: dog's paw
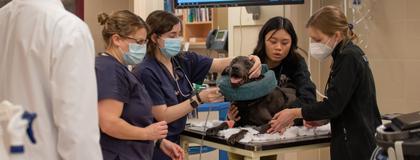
215,130
236,137
212,131
263,128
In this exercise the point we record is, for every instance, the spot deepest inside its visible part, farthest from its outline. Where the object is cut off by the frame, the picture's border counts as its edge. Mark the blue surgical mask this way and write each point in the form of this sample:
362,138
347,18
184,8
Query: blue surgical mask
135,54
172,46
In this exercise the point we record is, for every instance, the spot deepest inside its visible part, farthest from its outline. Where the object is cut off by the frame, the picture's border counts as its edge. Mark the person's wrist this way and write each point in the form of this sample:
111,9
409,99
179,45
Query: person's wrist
193,102
143,135
197,95
296,112
159,142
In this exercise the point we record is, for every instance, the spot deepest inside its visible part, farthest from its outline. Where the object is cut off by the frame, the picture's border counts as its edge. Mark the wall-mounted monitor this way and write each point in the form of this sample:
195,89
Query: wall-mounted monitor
231,3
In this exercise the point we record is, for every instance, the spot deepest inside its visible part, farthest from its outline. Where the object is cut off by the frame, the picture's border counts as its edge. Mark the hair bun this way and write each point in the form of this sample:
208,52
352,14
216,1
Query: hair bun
103,18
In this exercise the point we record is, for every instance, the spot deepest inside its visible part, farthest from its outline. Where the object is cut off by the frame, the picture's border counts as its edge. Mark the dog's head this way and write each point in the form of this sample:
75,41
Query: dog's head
238,71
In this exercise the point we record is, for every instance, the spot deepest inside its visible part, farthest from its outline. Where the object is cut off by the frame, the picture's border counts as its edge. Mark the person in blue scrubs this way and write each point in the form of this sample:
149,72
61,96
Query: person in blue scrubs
169,74
125,117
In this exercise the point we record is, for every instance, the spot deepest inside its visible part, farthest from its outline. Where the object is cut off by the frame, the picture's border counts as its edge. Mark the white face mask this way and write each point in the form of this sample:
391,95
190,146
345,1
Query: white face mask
320,51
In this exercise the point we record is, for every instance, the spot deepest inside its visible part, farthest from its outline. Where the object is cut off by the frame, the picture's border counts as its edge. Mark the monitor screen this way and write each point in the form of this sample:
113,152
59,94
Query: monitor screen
231,3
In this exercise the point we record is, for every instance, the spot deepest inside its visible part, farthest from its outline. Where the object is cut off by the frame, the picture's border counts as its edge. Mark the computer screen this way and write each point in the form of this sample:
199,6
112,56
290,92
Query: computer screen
231,3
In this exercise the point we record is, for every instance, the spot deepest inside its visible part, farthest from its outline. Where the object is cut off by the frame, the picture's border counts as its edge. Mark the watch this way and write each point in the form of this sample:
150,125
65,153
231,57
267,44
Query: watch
158,142
197,94
193,103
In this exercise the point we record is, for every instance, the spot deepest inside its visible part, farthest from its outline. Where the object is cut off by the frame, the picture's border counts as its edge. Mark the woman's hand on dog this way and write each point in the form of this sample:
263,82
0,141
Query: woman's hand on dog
233,113
255,71
283,119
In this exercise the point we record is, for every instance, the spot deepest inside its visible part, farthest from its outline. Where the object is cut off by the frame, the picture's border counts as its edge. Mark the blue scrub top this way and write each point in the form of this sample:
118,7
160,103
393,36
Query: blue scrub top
116,82
162,87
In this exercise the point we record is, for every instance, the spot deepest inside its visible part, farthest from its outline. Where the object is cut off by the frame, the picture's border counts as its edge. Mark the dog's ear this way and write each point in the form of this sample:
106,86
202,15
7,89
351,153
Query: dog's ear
249,63
226,71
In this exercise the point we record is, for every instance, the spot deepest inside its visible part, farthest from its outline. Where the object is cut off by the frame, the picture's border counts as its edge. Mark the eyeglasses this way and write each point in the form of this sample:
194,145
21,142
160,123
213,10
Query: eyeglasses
140,42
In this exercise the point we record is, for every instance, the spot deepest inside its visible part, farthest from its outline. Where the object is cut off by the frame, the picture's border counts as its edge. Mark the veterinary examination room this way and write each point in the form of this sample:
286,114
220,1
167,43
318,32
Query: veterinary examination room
209,80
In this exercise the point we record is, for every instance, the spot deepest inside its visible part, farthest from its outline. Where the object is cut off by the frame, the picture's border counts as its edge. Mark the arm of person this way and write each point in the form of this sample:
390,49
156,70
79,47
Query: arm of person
339,93
160,110
112,124
173,150
219,64
305,88
284,119
342,86
172,113
74,92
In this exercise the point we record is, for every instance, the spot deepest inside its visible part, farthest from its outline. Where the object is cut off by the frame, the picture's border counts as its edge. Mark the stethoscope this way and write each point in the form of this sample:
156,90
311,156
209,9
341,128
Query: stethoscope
178,90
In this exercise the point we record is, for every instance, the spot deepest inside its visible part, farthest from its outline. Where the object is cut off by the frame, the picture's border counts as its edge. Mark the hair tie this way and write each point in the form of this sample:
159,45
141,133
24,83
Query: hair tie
350,26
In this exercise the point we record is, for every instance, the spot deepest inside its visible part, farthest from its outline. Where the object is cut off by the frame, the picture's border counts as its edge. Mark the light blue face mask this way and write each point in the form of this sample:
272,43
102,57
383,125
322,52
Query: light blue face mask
172,46
135,54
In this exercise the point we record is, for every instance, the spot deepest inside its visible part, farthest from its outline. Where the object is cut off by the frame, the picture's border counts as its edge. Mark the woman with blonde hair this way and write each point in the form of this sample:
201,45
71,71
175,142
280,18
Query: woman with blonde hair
351,104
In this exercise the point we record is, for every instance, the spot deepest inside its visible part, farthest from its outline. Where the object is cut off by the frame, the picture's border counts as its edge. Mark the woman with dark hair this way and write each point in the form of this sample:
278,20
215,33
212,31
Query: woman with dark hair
277,47
351,104
168,75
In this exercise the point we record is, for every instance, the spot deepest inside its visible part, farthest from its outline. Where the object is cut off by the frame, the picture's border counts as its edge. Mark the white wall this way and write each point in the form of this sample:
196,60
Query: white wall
93,8
240,20
144,7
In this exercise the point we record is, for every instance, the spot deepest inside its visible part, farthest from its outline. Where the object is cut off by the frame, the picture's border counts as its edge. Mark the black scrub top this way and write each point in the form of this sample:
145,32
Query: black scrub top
351,105
162,87
295,71
116,82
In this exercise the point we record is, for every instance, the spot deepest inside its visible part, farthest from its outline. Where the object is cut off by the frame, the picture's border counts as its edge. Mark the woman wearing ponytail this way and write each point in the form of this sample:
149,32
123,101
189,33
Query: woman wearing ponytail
125,118
351,104
169,73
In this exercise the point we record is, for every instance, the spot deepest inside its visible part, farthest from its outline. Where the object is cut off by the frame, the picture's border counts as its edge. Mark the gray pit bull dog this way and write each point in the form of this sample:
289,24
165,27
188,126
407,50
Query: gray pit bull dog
257,112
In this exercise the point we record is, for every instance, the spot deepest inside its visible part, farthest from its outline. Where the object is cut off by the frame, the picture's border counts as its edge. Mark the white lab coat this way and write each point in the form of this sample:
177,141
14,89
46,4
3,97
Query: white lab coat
47,65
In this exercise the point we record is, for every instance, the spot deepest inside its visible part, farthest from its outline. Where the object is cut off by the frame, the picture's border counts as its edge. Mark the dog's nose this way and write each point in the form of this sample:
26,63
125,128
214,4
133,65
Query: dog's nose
235,69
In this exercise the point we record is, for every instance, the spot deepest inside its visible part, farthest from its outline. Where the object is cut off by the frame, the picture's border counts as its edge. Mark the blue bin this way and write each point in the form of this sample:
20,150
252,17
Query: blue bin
222,108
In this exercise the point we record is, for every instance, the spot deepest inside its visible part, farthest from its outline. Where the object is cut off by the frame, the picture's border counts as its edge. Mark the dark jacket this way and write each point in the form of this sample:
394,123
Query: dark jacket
296,71
351,105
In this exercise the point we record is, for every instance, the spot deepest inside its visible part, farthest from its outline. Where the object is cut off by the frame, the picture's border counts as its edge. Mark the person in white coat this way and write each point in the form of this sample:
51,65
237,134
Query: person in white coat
47,66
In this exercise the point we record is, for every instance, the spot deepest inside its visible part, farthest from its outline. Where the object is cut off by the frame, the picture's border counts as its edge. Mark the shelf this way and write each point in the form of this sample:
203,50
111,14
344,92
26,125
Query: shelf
196,23
192,23
197,43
